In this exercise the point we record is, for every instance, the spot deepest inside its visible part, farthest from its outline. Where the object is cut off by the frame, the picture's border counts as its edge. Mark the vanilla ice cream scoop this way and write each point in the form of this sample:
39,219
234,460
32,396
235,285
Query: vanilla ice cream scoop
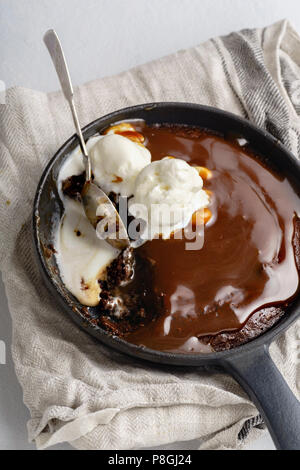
116,162
81,257
166,195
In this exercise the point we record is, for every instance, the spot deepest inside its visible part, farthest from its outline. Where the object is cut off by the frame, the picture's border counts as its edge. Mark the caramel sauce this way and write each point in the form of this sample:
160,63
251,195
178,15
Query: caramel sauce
132,135
248,260
117,179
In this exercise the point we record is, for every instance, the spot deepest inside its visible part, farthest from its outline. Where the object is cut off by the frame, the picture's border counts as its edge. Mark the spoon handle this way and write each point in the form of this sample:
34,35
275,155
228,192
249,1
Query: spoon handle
56,52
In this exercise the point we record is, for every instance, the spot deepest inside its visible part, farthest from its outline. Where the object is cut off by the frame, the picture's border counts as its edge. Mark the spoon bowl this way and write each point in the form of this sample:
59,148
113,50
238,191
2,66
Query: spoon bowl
102,213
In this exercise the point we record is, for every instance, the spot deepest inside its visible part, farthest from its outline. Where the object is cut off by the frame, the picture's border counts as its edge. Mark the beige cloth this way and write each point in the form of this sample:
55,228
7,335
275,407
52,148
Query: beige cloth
76,389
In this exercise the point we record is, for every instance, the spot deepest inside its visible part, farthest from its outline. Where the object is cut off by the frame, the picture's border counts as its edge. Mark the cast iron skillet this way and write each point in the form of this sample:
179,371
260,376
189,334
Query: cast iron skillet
250,364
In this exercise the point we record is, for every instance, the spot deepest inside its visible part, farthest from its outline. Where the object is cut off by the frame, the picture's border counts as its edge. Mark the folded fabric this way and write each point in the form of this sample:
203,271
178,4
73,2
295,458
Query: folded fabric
76,389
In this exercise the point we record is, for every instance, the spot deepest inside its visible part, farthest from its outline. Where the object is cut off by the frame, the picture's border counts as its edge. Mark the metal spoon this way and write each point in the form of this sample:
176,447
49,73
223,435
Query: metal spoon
93,198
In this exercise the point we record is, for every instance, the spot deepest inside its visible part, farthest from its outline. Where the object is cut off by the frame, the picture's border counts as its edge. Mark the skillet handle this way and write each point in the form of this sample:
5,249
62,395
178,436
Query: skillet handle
260,378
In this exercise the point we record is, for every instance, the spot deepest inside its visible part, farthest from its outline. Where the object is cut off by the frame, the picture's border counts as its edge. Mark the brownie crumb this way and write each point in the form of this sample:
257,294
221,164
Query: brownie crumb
109,325
127,300
49,250
72,186
121,270
110,303
83,285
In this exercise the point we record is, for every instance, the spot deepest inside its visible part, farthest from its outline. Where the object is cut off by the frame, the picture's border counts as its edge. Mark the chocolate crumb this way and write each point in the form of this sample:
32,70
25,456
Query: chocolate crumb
83,285
121,270
72,186
49,250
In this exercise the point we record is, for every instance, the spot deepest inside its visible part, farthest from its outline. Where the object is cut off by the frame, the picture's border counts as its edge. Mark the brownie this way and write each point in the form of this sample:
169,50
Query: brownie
129,302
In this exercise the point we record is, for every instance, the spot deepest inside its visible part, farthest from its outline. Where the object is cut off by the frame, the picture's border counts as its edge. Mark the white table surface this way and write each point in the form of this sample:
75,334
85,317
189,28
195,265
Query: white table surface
104,37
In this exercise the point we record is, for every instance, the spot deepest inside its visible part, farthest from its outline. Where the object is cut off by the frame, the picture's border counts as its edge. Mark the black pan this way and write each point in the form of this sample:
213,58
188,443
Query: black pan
250,364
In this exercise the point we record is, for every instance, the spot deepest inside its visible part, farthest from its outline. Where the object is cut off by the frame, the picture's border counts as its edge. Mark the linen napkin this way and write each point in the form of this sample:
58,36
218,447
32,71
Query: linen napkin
76,389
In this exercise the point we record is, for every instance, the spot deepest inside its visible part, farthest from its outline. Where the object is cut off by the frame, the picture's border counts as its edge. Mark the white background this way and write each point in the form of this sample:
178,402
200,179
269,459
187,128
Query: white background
104,37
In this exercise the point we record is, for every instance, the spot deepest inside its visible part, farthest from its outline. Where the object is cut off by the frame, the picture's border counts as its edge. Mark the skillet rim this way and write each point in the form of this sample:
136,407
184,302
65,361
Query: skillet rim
139,352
